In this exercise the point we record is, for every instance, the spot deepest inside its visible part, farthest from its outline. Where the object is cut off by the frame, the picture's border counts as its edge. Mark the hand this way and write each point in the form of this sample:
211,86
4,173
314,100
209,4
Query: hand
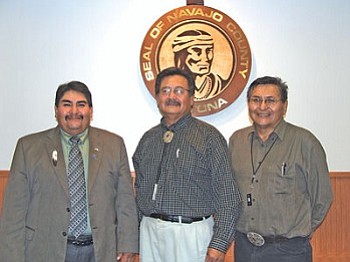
126,257
214,255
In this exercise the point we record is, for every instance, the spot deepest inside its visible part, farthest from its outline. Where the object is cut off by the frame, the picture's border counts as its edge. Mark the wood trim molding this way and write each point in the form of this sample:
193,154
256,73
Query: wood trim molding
339,174
4,173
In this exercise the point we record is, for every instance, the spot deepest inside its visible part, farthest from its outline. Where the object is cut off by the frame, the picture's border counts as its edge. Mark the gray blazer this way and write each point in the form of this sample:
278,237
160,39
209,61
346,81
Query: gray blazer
35,217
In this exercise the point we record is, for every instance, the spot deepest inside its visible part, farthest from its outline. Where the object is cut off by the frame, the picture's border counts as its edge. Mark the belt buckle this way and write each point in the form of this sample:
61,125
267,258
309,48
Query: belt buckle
256,239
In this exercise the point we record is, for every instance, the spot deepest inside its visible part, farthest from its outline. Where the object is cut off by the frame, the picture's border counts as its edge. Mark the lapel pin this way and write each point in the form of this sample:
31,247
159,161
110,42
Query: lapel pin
54,157
94,155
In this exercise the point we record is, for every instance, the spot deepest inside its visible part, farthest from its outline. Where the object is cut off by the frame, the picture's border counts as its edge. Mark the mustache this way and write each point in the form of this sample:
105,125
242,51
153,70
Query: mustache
172,102
73,116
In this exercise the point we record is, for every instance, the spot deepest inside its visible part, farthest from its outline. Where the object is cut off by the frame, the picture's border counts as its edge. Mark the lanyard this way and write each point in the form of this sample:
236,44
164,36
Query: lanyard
249,195
260,162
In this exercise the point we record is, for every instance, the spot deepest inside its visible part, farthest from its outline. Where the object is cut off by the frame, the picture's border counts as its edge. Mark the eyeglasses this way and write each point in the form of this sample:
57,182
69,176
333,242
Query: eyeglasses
179,91
269,101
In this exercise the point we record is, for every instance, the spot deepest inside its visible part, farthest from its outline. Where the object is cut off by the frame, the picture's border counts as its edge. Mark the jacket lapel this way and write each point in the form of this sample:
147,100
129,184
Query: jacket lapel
55,151
95,154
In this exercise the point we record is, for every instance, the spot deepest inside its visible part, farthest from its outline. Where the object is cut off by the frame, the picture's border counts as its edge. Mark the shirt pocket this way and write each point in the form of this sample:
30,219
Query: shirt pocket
283,180
29,233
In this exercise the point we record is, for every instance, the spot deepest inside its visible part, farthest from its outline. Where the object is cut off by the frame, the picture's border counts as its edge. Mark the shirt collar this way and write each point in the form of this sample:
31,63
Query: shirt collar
83,136
180,123
279,131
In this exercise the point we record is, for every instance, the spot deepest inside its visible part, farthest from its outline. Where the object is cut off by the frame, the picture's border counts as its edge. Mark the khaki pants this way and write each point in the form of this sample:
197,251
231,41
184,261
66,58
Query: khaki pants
174,242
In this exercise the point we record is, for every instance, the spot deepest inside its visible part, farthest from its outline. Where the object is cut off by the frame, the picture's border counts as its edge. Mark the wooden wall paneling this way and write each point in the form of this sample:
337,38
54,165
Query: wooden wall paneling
330,243
3,180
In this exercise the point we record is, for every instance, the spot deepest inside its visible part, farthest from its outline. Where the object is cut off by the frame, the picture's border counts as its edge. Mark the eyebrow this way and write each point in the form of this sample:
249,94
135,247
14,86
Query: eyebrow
268,96
173,87
69,101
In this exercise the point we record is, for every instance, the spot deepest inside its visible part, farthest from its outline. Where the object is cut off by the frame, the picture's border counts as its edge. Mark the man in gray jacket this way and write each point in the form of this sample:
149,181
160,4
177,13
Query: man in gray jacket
36,219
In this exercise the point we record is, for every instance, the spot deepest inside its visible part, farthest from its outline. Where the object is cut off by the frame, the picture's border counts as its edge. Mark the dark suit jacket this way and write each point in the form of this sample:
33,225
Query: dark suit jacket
35,217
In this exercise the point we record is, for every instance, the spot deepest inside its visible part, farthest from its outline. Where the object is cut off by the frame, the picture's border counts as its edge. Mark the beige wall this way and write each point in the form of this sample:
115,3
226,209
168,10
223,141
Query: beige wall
46,43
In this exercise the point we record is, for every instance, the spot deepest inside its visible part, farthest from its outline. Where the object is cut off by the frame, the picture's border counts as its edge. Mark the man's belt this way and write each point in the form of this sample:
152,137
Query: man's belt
259,240
178,219
80,241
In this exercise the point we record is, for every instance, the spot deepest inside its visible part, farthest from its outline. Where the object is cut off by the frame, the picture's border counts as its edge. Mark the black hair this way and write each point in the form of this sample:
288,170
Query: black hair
269,80
170,71
75,86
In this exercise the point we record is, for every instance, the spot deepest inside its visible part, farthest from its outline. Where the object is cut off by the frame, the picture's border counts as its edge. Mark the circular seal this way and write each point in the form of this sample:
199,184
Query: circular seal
207,43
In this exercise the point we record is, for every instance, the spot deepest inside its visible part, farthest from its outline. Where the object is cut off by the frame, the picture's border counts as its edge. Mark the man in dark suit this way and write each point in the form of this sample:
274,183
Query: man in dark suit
35,223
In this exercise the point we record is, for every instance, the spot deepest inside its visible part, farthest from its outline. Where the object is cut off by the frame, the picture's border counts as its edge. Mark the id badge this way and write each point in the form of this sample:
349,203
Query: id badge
249,199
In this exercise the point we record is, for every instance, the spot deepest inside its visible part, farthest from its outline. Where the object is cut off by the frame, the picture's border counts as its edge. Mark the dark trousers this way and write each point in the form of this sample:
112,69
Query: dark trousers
293,250
77,253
